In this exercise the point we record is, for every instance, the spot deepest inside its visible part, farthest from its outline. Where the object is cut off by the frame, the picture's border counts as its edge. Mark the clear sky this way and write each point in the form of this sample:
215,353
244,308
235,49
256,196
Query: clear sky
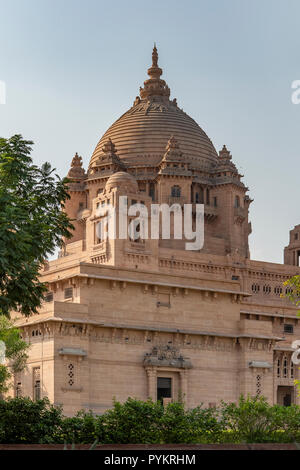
73,67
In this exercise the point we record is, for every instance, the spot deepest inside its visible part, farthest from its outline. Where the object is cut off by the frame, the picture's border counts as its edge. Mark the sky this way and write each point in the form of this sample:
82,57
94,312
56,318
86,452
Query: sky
71,68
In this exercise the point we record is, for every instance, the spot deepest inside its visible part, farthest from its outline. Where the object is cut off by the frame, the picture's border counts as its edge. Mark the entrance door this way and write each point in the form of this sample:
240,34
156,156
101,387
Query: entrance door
285,395
164,388
287,400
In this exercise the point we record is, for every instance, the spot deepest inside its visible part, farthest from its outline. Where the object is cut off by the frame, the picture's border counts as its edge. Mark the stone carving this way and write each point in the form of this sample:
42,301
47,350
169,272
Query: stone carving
166,356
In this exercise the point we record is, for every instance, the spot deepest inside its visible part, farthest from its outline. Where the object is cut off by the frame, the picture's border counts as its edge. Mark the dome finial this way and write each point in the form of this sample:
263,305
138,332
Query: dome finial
154,86
154,56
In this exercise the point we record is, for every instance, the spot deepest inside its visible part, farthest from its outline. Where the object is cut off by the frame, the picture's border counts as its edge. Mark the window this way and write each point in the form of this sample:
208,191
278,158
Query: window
278,368
255,288
235,278
237,201
69,293
215,201
288,328
292,370
266,289
197,199
71,372
49,297
36,383
164,388
296,236
207,197
175,191
258,385
152,191
285,367
18,392
278,290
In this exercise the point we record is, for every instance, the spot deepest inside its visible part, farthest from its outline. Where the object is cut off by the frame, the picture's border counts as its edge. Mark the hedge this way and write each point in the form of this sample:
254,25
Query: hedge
251,420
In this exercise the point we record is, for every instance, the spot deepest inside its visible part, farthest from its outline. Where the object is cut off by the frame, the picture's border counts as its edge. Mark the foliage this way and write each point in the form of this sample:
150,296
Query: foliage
32,224
132,422
15,352
251,420
293,290
23,421
80,429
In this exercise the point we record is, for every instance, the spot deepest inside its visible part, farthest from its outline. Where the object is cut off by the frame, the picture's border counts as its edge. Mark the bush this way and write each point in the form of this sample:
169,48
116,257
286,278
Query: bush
146,422
80,429
251,420
132,422
23,421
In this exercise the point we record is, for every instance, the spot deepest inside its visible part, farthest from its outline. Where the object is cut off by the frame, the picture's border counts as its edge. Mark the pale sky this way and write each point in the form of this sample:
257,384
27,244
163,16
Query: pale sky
72,67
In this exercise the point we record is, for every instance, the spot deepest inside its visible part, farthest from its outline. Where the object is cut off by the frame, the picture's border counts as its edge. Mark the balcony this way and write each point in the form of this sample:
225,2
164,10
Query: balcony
239,214
181,200
210,213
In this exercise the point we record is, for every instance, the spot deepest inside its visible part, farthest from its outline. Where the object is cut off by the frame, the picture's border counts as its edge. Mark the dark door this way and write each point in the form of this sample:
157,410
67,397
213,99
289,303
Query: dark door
287,400
164,388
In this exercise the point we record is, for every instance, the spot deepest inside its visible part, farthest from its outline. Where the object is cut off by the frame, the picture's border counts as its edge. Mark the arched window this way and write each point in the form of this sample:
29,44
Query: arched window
278,368
176,191
207,197
285,367
237,201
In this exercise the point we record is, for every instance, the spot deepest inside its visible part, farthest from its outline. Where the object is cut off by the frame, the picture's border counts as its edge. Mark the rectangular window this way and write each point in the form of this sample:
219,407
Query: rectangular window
164,388
18,390
49,297
36,372
288,328
69,293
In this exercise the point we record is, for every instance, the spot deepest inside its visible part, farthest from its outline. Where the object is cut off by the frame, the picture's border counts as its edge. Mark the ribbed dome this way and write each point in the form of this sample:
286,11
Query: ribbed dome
142,133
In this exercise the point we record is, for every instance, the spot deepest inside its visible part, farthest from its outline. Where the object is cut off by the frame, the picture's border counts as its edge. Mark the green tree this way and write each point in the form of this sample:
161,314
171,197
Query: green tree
14,354
32,224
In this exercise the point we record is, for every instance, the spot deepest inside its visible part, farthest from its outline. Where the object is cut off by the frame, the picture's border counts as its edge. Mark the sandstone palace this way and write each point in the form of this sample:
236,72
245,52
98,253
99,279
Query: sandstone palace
148,318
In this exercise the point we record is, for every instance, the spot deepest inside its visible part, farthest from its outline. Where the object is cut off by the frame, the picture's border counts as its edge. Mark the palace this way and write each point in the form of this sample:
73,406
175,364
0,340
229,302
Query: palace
148,318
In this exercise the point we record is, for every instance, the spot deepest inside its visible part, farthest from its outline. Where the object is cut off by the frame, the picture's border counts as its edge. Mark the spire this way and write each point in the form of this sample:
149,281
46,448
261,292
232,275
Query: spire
224,153
76,170
154,86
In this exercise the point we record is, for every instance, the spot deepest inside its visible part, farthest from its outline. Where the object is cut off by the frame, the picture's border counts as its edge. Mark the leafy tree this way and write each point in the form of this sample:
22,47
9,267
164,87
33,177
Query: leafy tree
14,352
32,224
293,290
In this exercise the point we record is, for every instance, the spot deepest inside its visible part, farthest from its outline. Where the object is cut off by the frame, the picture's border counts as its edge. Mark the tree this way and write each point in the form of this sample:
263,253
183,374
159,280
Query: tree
14,352
292,286
32,224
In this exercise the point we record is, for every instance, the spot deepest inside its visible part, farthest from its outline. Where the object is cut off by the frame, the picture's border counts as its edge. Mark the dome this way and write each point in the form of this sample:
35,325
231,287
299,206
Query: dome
123,181
142,133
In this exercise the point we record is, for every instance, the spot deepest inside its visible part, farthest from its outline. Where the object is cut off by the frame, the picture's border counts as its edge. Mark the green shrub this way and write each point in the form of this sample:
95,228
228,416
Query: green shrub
146,422
251,420
80,429
132,422
23,421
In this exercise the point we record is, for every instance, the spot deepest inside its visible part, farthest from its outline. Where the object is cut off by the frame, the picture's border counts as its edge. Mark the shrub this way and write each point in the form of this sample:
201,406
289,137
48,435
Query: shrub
23,421
80,429
251,420
132,422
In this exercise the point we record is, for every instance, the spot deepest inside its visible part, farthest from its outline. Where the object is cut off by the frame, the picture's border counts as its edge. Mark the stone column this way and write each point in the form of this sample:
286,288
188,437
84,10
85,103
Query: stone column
184,386
152,379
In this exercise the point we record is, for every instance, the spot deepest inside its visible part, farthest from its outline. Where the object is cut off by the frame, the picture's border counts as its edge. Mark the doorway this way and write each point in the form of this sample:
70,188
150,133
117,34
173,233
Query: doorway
285,395
164,388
